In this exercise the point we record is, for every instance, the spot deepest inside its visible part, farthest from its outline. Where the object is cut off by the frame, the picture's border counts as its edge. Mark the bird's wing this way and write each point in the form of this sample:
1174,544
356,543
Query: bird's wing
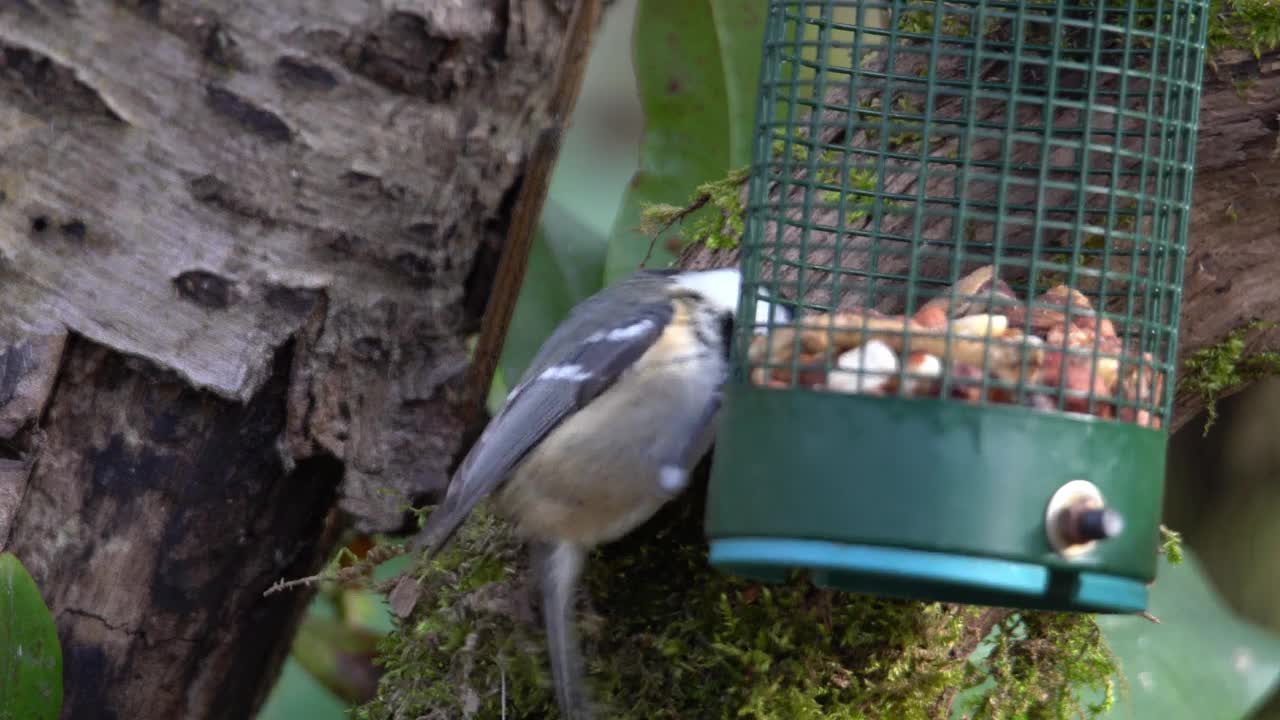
536,406
585,317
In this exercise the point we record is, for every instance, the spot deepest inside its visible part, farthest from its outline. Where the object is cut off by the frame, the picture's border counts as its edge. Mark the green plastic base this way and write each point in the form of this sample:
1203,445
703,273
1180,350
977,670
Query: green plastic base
929,499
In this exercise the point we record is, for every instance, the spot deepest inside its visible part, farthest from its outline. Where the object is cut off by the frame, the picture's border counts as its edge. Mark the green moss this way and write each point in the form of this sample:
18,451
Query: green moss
1089,256
1252,25
666,637
1037,665
1216,370
717,214
857,188
716,209
1171,545
462,645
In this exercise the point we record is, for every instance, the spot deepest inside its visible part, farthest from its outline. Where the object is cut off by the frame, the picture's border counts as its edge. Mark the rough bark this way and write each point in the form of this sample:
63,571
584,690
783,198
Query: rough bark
153,518
1228,282
241,249
1234,240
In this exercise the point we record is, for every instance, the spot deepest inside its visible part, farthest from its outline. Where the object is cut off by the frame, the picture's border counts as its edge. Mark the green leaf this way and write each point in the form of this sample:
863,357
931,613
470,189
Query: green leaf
565,266
1201,661
299,695
697,68
340,656
740,34
30,656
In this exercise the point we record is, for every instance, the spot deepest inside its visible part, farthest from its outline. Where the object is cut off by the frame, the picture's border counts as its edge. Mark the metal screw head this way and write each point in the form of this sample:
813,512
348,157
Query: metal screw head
1093,524
1077,518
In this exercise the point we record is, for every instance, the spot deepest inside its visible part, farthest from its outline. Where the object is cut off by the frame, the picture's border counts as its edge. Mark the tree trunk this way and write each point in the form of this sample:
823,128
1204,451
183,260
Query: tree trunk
241,249
1234,238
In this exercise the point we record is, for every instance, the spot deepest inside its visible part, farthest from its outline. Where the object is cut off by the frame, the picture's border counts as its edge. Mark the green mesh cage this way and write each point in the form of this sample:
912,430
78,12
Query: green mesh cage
978,211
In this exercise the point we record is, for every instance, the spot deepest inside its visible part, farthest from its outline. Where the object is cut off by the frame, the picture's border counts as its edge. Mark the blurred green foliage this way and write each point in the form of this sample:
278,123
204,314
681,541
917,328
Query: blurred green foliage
1223,493
331,667
299,695
698,115
1200,661
696,66
30,653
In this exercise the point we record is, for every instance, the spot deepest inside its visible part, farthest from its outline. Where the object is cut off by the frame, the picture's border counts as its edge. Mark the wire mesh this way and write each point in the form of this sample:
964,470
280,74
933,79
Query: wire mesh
983,202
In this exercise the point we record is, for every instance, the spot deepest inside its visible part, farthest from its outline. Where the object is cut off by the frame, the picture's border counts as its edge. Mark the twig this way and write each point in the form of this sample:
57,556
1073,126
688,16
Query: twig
282,584
361,568
698,203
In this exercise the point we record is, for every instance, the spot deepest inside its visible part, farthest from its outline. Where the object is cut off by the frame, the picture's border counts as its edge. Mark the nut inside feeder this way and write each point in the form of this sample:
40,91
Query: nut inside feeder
979,212
1062,348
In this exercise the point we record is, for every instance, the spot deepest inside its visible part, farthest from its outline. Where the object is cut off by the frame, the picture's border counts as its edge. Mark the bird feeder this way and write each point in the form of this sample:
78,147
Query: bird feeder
978,211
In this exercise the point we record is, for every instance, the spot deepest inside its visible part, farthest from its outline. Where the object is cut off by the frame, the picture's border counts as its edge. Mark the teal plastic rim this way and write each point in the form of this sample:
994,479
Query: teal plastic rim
930,576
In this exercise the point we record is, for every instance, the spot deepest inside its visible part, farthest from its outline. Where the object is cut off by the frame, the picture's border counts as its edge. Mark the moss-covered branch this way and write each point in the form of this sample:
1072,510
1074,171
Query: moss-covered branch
1252,25
719,227
678,639
1217,370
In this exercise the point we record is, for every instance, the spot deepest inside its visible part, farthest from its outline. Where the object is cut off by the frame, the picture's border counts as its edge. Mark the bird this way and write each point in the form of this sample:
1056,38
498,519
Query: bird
603,428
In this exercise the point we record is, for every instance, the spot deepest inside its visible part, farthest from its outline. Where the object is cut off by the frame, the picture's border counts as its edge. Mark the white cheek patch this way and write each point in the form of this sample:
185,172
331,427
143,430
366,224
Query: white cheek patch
720,286
672,479
571,373
634,330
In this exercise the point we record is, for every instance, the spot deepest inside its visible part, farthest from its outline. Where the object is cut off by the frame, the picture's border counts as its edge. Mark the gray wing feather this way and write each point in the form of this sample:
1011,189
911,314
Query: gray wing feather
537,405
633,294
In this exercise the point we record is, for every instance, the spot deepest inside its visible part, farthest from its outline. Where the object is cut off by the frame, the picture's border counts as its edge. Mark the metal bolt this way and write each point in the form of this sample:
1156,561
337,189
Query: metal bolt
1082,524
1077,517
